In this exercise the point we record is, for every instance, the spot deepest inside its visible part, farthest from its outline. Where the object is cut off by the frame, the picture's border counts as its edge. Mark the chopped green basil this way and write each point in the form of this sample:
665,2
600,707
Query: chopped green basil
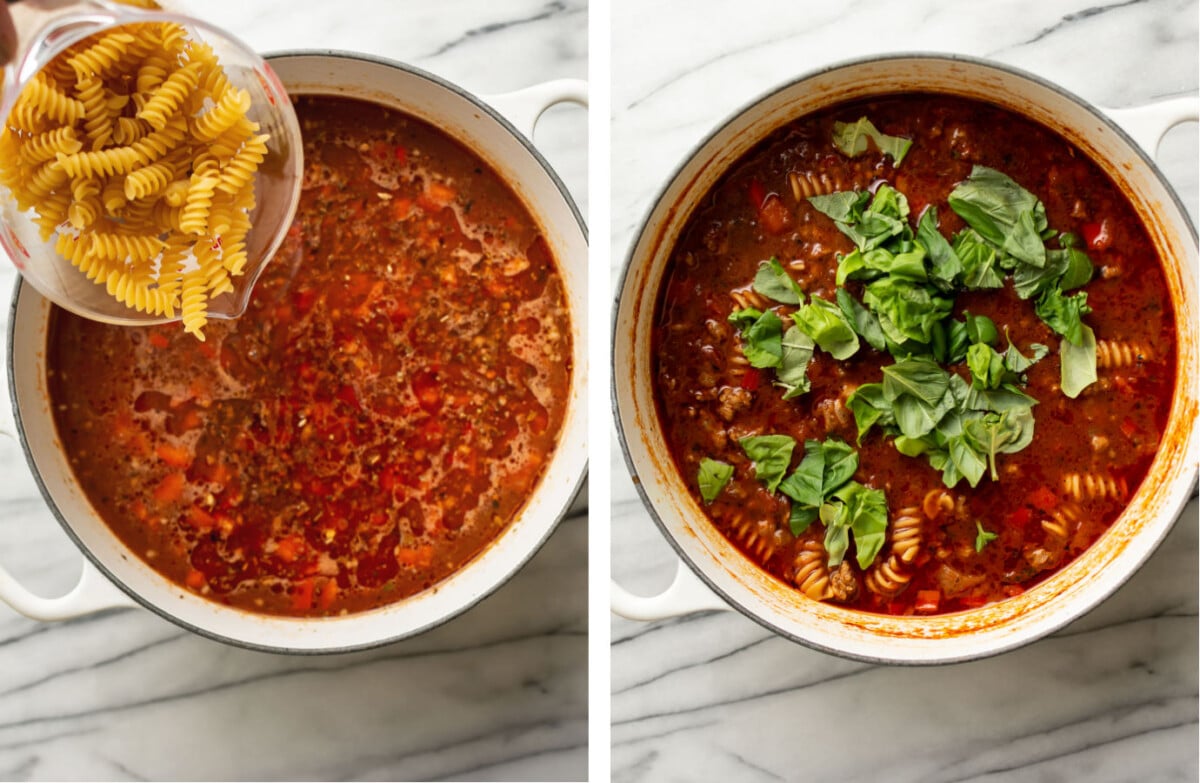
870,407
825,468
773,282
981,329
947,266
764,341
983,537
860,510
713,477
1000,433
986,366
863,320
842,207
979,260
1063,313
792,373
771,455
1078,362
824,322
1004,213
906,310
851,139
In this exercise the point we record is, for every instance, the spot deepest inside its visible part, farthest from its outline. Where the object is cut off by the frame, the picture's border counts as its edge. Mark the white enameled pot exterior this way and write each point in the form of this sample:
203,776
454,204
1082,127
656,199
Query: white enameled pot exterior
480,124
737,581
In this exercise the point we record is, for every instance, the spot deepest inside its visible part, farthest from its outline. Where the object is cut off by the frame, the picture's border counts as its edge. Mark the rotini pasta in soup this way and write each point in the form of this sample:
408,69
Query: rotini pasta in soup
379,415
913,355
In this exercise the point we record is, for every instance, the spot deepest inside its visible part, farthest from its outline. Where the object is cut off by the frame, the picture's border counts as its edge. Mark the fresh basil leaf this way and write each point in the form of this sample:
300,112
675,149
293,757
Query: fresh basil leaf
801,517
906,310
823,321
743,319
1004,213
983,537
981,329
978,260
947,267
1063,313
884,218
851,139
957,342
919,378
1000,433
1024,242
913,447
774,282
1029,280
763,345
1016,362
986,366
796,352
870,407
841,461
1007,397
853,266
861,319
960,391
713,477
844,206
771,455
916,418
1079,268
868,523
1078,362
836,518
806,484
967,462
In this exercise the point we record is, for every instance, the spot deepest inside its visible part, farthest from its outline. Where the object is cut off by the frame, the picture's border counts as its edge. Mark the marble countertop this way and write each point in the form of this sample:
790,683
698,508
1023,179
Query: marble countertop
498,693
1112,697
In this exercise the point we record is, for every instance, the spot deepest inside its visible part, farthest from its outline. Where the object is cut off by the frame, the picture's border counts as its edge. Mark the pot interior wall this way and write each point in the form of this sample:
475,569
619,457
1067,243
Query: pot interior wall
1085,582
451,110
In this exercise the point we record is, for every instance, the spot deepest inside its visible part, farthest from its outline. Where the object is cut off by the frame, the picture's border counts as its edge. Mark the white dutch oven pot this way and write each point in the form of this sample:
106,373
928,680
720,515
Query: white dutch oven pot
1119,142
498,128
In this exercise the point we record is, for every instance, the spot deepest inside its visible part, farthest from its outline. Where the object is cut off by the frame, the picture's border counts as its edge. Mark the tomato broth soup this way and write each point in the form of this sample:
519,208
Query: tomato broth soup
378,416
913,355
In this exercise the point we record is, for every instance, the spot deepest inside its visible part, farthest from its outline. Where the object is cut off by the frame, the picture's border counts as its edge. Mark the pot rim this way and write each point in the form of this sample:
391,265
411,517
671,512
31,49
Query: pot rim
164,613
681,552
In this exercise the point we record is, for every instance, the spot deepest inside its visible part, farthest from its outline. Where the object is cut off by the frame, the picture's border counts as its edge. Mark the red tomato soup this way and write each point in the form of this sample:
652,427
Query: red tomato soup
913,388
378,416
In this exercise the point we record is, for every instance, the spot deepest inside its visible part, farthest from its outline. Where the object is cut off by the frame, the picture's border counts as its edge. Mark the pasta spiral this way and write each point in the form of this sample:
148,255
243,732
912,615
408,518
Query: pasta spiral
811,573
1083,486
1120,354
148,180
45,146
100,58
888,577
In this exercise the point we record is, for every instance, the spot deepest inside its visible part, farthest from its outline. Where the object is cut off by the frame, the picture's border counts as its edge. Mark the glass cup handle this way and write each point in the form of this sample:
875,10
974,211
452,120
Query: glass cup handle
92,593
686,595
1149,123
523,107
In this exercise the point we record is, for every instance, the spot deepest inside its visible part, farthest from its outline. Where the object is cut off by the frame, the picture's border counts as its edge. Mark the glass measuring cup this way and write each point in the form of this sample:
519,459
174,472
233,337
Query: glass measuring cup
45,29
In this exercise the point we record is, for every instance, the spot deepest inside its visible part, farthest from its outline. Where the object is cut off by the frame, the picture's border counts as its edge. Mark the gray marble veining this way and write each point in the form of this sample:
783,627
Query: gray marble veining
1113,697
498,693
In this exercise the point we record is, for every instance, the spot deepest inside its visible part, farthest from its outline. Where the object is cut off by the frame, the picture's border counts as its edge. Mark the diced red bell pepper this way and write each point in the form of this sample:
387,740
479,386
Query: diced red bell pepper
752,379
1019,518
158,340
170,489
329,592
175,456
401,154
928,601
1128,428
302,594
1096,235
773,216
200,519
1044,499
195,579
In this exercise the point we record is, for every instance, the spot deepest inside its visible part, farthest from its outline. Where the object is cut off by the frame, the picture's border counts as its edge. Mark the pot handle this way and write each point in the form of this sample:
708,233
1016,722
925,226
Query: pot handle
92,593
523,107
1148,124
686,595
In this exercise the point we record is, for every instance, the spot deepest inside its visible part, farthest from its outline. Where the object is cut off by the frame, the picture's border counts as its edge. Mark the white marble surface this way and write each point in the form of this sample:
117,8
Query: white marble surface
1113,697
498,693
